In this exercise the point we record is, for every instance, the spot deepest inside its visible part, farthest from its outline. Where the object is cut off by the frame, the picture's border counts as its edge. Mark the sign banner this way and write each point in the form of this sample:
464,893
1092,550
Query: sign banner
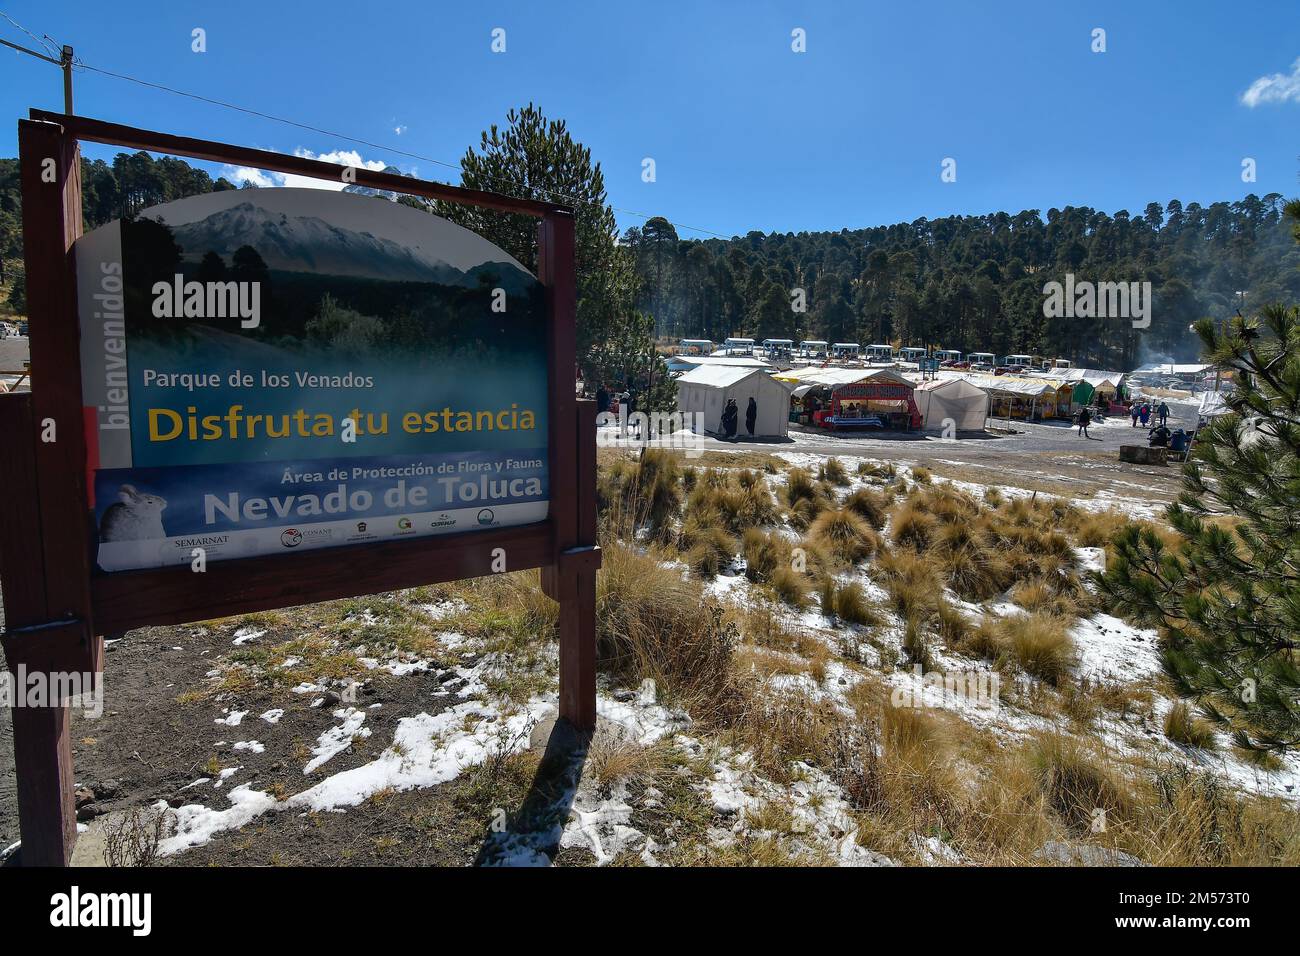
271,370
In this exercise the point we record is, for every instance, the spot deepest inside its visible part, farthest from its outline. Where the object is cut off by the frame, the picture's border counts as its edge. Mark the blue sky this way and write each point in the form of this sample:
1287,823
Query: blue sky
745,133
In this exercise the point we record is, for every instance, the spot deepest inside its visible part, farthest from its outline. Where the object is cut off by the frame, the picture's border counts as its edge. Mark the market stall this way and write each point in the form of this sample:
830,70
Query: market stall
838,398
1014,397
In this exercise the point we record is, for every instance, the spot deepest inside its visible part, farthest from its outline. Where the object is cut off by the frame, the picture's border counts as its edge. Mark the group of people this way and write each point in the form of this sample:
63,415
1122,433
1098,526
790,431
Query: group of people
605,398
1138,411
731,417
1141,411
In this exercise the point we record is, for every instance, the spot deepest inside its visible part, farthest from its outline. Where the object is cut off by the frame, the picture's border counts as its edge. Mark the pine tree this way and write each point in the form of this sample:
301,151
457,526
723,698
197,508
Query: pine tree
537,158
1227,594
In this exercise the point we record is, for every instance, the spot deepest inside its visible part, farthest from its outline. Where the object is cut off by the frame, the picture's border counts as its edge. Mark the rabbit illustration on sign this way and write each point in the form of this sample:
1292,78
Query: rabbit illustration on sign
136,517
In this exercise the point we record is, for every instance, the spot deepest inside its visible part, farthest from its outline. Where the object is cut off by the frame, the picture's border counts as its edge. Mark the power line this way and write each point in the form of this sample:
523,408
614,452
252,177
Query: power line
50,47
551,194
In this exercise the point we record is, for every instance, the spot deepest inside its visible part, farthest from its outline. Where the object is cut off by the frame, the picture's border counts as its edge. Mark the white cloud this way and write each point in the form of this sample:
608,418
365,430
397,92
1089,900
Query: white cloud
399,130
238,174
342,157
1277,88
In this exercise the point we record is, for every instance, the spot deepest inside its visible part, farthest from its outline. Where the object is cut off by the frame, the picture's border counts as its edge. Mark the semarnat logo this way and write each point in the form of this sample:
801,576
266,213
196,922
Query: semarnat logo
291,537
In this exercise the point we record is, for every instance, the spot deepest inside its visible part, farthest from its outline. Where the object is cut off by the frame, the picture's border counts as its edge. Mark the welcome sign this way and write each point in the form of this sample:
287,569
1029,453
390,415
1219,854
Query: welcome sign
271,370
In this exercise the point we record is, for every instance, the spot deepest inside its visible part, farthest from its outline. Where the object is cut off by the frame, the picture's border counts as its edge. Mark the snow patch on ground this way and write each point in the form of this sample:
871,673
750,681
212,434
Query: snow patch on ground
823,820
1114,651
246,634
196,825
426,751
338,739
444,609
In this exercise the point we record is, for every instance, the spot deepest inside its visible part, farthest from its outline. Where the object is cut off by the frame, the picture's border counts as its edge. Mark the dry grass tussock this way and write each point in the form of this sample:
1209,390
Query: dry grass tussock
906,772
1037,643
644,492
1183,726
845,535
651,622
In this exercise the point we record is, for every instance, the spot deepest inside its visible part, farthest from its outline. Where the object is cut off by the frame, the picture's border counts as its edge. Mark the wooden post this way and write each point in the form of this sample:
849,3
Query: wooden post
44,527
571,578
51,178
577,623
42,749
47,815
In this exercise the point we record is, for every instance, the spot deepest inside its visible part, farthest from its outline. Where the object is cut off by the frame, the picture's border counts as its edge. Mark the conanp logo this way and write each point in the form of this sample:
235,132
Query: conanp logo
291,537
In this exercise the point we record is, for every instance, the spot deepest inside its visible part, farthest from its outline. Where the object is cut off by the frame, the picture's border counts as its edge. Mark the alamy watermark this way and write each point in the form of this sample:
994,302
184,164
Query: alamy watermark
213,300
980,688
1085,299
83,691
675,431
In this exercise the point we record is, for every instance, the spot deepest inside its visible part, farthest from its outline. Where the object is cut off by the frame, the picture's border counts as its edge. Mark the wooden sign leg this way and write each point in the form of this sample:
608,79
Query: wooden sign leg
578,650
571,578
572,582
43,762
42,750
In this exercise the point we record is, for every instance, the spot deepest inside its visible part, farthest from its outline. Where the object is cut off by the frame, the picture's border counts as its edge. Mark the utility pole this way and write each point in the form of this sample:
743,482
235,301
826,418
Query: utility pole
66,62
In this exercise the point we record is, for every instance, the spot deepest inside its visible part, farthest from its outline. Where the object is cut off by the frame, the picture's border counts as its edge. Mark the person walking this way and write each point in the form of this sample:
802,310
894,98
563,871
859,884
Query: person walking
751,416
1134,410
1162,412
602,399
1085,419
1144,414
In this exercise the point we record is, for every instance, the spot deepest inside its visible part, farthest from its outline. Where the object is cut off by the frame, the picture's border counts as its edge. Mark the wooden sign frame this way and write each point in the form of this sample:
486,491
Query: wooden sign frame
58,606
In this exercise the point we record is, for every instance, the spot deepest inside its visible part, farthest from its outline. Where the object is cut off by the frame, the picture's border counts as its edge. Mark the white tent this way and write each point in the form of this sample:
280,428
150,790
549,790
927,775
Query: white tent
680,363
707,389
952,399
1168,368
1097,378
835,377
1212,405
1010,384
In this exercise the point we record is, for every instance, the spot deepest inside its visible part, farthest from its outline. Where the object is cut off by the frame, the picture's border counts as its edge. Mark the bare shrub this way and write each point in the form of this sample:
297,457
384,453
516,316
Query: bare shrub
133,837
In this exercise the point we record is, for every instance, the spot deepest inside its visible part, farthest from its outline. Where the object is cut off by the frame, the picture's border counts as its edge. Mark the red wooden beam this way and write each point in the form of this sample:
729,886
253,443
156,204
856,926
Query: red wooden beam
113,134
124,600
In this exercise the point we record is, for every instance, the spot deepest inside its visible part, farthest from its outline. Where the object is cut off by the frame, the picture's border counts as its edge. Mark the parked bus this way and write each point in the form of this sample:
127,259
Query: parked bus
695,347
778,348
